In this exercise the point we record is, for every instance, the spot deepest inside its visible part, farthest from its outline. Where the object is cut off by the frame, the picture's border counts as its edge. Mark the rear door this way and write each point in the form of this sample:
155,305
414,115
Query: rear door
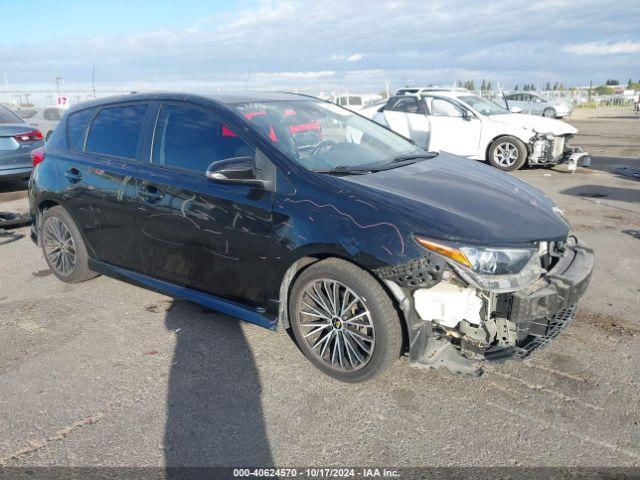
204,235
104,153
451,130
406,116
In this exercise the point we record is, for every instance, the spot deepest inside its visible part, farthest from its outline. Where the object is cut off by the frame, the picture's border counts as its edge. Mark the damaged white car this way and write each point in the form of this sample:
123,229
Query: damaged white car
459,122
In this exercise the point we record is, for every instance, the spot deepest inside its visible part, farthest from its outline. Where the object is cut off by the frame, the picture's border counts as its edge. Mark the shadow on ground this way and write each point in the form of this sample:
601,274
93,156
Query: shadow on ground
214,410
613,164
13,186
629,195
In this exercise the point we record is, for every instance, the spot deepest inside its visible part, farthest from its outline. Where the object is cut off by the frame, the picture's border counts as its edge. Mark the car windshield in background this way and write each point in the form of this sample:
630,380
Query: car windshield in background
483,105
322,136
7,116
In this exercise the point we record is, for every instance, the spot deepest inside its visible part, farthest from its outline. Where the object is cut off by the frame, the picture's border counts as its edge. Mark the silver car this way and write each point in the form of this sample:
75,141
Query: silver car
44,119
17,140
538,105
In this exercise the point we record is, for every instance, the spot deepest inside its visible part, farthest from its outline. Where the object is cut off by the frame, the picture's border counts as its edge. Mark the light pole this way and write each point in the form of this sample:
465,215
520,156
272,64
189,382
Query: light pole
58,82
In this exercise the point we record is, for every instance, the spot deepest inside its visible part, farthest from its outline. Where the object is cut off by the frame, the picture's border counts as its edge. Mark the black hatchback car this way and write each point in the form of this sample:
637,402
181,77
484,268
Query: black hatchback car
287,211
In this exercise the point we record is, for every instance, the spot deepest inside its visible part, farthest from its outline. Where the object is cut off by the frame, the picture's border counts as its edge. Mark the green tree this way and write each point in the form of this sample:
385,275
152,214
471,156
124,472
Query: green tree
547,87
603,90
611,82
483,85
629,82
516,89
489,87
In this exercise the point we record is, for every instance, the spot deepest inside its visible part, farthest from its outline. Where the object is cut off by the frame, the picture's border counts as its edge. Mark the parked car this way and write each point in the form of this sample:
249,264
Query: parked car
45,119
465,124
538,104
17,140
366,246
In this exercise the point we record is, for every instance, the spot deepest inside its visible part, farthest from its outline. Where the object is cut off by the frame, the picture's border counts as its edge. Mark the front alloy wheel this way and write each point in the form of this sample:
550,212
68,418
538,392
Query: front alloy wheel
343,321
507,153
337,325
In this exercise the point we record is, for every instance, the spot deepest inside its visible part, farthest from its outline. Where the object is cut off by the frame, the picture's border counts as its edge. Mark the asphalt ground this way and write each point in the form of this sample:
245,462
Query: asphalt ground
104,373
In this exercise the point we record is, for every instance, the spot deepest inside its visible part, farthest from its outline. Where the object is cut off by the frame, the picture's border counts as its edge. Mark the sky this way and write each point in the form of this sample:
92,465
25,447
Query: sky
315,46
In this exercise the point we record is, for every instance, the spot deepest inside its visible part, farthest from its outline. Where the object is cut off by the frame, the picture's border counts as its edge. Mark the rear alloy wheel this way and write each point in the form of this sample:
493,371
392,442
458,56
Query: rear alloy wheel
507,153
344,321
549,112
63,247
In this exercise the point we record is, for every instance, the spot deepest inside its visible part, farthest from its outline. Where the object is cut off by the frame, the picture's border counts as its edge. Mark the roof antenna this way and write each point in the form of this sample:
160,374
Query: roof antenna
246,81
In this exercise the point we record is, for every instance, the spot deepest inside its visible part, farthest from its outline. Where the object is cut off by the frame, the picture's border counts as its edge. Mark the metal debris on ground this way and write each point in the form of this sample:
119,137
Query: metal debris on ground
629,172
8,237
12,219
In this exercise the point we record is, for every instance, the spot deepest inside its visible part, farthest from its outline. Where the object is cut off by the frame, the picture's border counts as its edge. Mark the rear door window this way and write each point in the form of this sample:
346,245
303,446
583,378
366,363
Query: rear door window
7,116
116,130
191,138
77,124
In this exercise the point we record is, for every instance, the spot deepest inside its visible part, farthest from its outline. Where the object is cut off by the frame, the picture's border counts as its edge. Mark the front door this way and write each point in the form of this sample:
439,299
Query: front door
451,130
204,235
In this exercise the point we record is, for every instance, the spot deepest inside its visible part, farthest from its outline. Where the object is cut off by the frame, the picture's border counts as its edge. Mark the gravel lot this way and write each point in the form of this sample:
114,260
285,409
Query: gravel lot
104,373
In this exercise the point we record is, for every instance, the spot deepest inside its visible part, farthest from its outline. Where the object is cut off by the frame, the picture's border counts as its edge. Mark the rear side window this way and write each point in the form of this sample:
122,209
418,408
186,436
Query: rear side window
191,138
406,104
77,124
116,131
7,116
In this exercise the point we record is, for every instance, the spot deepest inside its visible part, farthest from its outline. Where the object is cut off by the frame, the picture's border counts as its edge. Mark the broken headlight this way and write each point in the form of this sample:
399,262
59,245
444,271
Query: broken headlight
489,268
497,261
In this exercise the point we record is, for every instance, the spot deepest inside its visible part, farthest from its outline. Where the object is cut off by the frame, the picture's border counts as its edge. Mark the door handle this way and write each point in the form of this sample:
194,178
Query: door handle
150,194
73,174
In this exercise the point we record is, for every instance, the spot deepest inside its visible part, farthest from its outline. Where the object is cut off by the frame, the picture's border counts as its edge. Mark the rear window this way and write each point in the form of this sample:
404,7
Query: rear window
116,130
77,127
7,116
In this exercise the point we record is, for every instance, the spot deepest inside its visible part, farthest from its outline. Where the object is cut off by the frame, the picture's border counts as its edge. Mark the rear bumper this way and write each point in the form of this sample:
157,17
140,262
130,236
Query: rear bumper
543,310
15,173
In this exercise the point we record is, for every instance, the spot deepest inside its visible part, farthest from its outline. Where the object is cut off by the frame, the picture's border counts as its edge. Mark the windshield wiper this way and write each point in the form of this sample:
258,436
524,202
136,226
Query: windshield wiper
414,156
344,170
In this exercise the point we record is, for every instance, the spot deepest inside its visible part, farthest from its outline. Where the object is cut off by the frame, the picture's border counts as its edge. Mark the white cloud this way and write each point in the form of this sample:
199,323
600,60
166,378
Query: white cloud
602,48
354,57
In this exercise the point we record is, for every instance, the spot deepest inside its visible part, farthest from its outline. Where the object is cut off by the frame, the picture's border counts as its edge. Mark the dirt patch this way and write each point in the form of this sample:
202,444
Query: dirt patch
608,323
160,307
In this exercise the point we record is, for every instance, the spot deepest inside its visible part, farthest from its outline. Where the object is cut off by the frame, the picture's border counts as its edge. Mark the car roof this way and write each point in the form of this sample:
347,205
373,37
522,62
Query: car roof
433,89
227,98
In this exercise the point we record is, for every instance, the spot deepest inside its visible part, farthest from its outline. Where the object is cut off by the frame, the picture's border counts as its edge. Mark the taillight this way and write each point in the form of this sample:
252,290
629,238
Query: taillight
31,136
37,156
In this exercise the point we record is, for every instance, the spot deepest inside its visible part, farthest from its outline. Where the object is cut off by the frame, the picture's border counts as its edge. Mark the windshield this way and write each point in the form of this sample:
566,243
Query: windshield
7,116
322,136
483,105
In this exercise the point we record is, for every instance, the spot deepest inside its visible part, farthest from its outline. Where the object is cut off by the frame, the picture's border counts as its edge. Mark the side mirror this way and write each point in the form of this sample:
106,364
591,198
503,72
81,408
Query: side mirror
234,170
467,115
516,110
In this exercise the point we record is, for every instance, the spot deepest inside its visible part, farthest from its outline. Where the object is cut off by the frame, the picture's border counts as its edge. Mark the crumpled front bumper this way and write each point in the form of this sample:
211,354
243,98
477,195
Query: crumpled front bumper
541,311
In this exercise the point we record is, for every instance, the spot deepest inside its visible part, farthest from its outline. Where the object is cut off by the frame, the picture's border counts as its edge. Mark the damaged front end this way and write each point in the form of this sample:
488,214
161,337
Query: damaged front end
468,304
550,149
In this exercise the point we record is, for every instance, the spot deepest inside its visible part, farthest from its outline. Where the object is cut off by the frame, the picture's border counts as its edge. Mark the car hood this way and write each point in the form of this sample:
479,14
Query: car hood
456,199
535,123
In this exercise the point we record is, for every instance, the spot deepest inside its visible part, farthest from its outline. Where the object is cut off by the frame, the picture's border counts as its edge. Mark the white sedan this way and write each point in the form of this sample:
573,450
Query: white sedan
459,122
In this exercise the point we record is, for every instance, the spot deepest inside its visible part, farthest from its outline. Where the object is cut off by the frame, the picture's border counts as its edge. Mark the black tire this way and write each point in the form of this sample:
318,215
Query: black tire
380,313
79,271
504,147
549,112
